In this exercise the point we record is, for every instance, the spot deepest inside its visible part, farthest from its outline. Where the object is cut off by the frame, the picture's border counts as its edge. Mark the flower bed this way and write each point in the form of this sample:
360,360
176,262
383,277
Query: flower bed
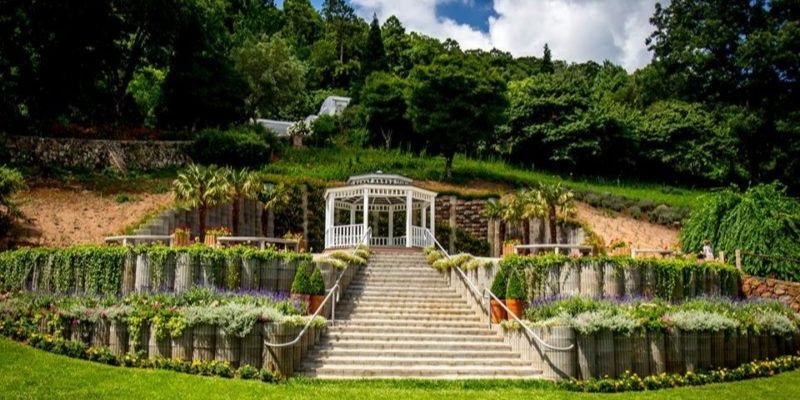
118,270
198,326
654,337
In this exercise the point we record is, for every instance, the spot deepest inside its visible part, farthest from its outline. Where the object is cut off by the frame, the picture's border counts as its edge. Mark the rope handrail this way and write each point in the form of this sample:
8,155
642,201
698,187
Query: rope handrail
331,292
488,294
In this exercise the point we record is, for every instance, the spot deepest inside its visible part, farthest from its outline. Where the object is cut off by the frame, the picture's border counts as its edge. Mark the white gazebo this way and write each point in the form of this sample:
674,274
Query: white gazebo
372,201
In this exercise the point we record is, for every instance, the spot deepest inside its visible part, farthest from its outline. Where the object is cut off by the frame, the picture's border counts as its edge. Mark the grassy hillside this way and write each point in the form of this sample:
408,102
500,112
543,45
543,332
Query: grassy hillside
29,373
337,164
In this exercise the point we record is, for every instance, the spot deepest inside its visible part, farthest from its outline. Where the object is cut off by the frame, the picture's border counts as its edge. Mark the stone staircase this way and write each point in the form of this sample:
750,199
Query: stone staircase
399,319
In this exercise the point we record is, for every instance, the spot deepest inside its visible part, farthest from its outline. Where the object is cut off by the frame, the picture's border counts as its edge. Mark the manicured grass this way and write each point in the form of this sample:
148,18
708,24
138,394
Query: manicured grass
30,373
337,164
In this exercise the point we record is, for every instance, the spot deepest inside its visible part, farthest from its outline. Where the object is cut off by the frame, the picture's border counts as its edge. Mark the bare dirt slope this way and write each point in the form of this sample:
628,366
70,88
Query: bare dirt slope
64,216
641,234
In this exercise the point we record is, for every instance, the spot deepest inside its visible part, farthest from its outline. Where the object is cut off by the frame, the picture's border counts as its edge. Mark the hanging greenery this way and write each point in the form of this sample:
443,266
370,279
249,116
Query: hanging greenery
763,222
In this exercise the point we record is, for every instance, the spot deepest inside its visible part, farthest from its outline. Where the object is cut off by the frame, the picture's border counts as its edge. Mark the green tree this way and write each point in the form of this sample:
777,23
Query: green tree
243,184
396,45
271,196
273,75
547,60
552,200
455,103
374,52
201,188
303,25
11,182
495,211
385,107
340,17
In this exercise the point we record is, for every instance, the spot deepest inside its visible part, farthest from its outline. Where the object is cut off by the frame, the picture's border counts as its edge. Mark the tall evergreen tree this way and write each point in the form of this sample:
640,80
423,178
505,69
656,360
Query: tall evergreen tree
340,17
302,25
395,44
547,60
374,53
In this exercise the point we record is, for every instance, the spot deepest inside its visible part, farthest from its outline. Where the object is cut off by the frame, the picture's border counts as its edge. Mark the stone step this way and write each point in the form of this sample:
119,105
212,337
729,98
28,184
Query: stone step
392,329
331,361
389,309
368,295
419,276
403,302
414,345
426,315
413,323
419,354
412,338
424,371
413,317
398,286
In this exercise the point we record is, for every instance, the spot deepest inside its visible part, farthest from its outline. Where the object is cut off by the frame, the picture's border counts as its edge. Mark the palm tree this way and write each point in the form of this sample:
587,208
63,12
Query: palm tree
243,184
271,196
202,188
514,213
530,208
554,199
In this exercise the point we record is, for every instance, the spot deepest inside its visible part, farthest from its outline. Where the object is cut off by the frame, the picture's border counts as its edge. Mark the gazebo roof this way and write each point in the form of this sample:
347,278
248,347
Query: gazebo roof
378,178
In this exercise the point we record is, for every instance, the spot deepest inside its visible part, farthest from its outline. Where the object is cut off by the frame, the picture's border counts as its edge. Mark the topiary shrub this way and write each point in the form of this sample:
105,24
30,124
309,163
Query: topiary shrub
515,289
499,284
316,283
244,146
302,282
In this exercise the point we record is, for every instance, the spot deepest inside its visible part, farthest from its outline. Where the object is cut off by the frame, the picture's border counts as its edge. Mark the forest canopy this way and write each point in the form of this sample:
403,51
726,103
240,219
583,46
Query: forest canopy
717,104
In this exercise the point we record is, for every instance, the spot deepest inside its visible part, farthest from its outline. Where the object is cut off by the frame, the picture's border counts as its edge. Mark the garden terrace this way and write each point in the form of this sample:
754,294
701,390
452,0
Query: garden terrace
201,327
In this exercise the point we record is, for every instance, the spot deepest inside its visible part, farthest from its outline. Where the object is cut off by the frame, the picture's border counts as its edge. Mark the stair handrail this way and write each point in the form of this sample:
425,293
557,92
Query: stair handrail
489,295
334,290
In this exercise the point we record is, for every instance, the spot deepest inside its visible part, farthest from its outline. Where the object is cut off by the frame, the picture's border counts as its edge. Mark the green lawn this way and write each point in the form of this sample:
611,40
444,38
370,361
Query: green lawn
337,164
30,373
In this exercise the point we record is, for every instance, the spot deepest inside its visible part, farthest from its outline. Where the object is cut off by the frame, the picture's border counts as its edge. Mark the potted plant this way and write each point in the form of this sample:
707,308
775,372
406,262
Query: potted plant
180,237
301,285
316,290
213,233
508,246
515,294
499,290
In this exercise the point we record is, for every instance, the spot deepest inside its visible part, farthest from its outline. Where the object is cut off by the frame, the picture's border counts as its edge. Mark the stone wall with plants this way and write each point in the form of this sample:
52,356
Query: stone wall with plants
786,292
90,154
652,337
167,221
93,270
217,333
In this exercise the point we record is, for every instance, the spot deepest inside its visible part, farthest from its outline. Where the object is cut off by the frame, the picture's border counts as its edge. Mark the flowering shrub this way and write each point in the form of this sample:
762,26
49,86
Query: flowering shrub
632,382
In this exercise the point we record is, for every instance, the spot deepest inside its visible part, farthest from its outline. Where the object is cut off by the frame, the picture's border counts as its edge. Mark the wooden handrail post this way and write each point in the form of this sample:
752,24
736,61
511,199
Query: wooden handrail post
738,254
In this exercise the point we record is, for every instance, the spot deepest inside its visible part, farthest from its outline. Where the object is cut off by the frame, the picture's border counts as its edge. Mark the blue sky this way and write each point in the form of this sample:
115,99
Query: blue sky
575,30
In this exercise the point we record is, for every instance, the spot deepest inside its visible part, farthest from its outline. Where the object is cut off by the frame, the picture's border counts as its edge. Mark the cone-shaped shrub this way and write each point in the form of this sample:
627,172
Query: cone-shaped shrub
515,290
499,284
317,283
302,282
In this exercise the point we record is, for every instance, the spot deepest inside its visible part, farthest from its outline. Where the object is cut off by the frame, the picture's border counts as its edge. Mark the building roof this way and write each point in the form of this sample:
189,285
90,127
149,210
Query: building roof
379,178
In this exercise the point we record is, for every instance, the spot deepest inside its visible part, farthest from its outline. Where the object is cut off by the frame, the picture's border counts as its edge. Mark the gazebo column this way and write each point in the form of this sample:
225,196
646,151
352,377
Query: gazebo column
352,214
409,210
366,210
391,225
423,213
433,217
329,220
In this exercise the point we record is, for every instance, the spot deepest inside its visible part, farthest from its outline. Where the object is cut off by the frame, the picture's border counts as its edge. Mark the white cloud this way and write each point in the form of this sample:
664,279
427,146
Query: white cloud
576,30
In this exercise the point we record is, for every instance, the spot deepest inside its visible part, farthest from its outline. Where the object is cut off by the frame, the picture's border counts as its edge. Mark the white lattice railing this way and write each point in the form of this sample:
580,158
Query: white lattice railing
344,236
420,237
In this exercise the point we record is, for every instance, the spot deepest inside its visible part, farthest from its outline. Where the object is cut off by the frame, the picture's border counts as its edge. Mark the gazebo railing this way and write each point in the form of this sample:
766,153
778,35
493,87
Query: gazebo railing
344,236
420,237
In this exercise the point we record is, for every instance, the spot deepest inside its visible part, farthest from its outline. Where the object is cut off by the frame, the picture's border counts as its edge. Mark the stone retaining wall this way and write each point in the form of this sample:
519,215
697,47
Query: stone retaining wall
89,154
768,288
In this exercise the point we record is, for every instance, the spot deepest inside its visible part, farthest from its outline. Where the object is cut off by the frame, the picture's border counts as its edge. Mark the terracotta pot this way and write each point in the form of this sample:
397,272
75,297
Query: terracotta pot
180,240
517,307
508,248
314,302
210,240
498,312
303,245
301,298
